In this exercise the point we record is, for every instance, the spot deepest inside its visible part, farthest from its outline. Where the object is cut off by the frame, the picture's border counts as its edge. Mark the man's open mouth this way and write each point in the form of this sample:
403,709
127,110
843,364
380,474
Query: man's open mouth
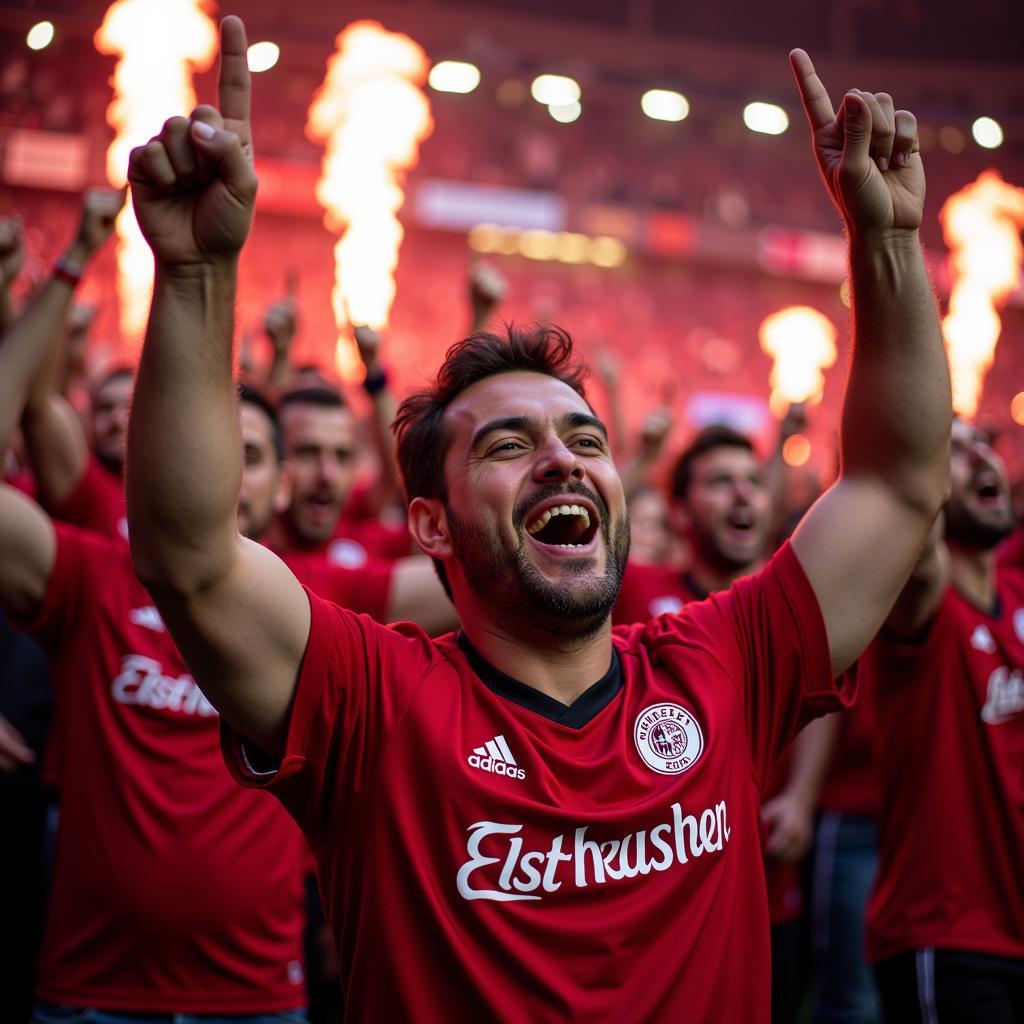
565,525
987,489
741,519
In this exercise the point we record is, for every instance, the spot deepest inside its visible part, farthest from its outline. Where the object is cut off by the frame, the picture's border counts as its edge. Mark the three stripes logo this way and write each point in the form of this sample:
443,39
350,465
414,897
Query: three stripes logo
495,757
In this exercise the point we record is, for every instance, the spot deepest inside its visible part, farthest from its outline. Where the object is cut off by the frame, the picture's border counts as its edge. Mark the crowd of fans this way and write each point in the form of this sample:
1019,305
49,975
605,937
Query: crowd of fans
334,512
120,814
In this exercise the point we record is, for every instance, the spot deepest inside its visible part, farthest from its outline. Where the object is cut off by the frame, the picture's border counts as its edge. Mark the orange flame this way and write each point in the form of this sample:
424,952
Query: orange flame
160,43
981,224
802,342
371,114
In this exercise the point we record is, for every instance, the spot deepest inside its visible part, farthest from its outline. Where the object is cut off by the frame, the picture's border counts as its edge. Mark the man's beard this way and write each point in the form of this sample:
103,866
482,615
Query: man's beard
501,574
964,529
718,556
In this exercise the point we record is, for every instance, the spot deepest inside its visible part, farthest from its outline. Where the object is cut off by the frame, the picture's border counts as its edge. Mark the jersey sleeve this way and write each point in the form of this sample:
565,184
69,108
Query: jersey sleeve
356,680
770,638
95,503
80,559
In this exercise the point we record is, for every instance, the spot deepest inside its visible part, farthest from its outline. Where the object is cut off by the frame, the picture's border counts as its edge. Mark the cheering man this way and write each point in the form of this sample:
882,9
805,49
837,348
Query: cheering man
537,818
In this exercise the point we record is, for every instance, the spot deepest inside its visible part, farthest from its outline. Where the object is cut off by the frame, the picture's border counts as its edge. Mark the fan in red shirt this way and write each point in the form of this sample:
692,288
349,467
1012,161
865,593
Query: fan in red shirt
405,589
946,919
321,445
539,818
76,478
721,500
173,890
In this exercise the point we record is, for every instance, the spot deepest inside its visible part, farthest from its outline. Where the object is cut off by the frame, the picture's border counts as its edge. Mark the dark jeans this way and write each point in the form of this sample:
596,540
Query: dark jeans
51,1013
844,867
787,976
951,986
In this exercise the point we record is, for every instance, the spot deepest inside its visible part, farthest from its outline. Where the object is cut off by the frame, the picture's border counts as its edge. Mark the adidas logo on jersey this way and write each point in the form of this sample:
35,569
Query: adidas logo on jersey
495,757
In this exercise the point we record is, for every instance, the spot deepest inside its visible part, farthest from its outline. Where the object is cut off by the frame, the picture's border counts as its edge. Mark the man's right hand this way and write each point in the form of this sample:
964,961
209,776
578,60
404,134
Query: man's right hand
14,752
193,185
100,207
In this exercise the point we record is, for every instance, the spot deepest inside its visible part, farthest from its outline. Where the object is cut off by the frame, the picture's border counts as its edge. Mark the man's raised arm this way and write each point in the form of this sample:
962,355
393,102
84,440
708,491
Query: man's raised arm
860,541
30,349
238,615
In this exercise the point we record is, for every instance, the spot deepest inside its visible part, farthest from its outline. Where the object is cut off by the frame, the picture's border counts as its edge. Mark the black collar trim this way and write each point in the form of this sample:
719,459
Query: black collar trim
584,709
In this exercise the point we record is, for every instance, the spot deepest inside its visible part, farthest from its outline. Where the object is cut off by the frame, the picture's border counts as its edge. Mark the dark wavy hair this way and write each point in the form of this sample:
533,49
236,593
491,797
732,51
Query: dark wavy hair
717,435
422,435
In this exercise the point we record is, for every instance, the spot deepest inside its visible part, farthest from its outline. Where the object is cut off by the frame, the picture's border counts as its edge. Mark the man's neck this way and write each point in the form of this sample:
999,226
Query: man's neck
558,669
974,573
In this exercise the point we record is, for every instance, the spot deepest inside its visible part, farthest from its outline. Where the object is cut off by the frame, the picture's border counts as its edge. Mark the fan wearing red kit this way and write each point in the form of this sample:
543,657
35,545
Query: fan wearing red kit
538,818
946,676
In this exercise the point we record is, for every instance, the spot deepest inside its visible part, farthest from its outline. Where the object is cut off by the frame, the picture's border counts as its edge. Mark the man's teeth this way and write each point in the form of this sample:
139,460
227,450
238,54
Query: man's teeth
560,510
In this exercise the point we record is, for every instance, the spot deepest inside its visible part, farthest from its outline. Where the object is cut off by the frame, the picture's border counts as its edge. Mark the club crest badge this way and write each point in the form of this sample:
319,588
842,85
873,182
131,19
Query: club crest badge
668,738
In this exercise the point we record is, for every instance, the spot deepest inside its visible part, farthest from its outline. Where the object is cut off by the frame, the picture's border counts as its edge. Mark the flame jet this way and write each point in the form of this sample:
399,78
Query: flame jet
371,115
981,225
160,44
802,343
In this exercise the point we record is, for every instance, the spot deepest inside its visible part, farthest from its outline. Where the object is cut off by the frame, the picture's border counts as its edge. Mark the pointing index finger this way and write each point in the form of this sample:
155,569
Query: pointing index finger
235,85
813,93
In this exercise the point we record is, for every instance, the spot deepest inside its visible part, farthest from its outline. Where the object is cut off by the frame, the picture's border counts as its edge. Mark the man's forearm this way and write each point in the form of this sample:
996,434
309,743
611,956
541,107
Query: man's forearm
897,410
27,348
184,445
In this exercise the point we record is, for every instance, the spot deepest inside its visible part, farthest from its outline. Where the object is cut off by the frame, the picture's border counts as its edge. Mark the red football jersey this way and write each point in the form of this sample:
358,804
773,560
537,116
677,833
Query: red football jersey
366,589
851,784
485,852
355,543
649,590
97,502
950,739
173,890
1011,551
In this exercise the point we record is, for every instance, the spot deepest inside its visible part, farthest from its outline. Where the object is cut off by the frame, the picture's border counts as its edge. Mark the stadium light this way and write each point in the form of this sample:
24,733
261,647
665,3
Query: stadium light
262,56
796,450
454,76
565,113
987,132
607,252
1017,408
40,35
555,91
664,105
766,118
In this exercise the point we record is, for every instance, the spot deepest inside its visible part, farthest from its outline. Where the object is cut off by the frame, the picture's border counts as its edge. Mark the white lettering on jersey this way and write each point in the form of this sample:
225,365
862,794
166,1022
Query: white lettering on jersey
148,617
142,682
669,604
982,639
521,874
347,553
1018,624
1005,696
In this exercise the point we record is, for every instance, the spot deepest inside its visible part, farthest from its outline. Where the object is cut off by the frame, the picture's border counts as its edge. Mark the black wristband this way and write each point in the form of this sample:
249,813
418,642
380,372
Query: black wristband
375,384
